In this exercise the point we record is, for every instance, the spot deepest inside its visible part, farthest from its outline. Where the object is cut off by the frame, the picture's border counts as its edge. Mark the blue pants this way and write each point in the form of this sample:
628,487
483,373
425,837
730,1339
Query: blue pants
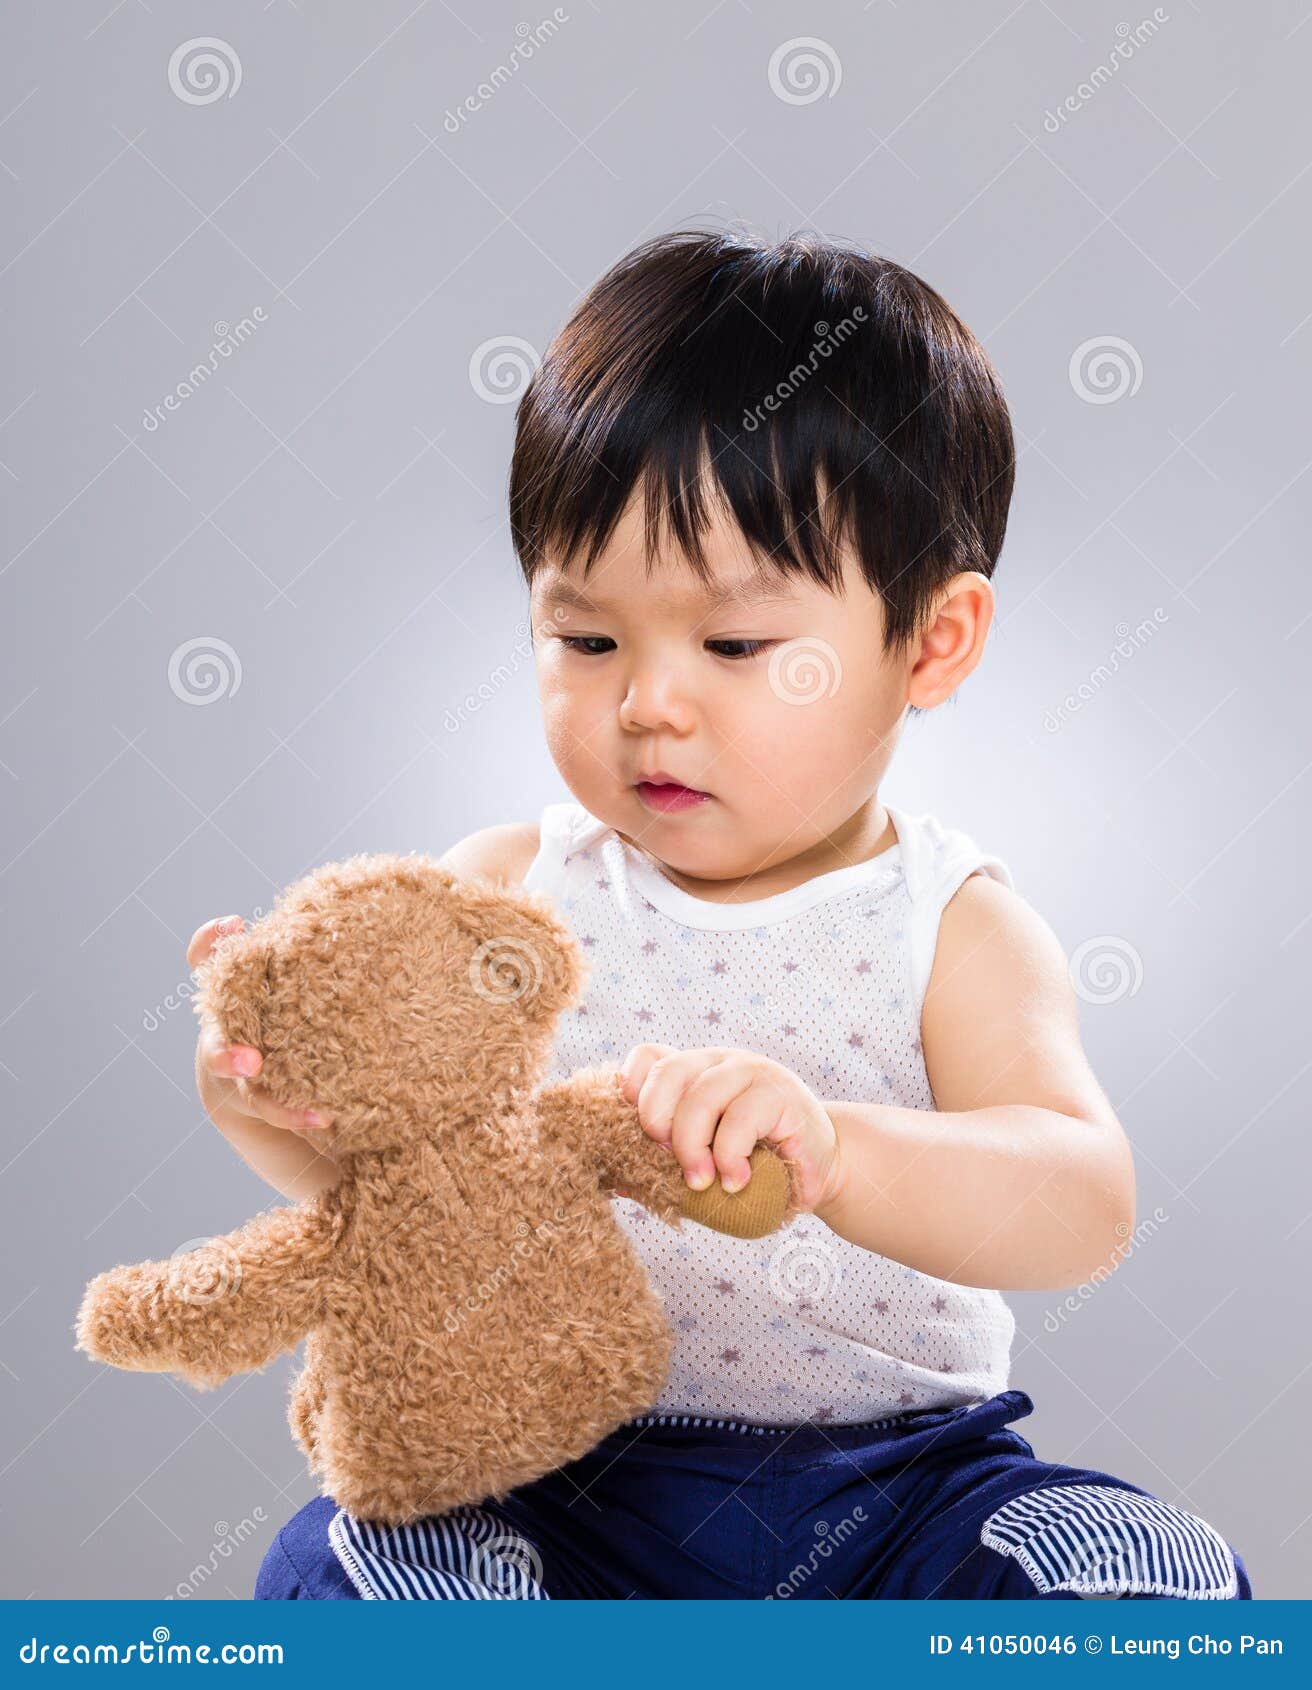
946,1504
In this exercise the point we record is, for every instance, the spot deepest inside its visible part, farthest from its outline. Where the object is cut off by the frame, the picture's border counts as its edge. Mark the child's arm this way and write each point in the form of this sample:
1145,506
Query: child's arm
231,1305
1021,1178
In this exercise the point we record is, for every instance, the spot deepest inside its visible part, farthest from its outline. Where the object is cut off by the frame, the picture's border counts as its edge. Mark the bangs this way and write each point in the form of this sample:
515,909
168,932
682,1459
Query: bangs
821,398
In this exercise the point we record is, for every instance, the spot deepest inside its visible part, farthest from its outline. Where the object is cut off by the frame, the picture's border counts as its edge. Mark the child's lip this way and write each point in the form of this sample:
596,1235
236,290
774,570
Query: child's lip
669,795
662,777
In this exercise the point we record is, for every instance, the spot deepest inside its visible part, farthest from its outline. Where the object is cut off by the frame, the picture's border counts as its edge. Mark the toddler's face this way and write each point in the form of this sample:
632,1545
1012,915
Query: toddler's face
783,711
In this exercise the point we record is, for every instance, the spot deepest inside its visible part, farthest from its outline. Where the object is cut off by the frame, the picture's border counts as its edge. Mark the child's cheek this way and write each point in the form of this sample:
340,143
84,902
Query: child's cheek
580,740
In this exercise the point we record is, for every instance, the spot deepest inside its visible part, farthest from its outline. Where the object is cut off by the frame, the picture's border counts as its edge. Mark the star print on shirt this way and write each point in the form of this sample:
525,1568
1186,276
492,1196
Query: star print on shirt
863,967
719,966
649,946
726,1287
857,1041
940,1303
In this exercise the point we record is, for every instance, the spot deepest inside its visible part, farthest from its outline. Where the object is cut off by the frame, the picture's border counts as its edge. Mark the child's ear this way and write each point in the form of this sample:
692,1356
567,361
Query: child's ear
953,643
235,988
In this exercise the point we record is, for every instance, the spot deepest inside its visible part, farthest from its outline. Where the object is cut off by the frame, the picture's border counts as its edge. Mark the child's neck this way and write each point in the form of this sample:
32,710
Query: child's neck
865,834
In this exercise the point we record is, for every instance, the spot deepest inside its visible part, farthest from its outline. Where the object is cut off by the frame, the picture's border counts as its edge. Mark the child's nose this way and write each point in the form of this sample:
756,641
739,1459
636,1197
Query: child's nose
657,699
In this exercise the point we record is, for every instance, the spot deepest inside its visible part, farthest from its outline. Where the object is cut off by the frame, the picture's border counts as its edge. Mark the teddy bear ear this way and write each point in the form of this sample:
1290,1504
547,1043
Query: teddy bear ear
235,985
520,937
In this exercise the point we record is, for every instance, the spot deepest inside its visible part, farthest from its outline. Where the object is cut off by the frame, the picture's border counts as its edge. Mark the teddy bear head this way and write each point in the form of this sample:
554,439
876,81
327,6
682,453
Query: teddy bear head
401,999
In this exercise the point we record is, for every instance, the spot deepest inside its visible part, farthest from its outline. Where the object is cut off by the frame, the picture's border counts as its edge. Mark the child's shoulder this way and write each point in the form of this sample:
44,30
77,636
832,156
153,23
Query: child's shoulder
502,853
992,947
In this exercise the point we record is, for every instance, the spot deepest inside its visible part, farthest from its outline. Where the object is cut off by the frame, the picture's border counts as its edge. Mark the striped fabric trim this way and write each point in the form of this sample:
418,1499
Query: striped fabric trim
467,1555
1100,1539
758,1430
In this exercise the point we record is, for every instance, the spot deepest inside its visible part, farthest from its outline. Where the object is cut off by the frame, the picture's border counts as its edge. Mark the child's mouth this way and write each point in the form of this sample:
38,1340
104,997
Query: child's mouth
668,795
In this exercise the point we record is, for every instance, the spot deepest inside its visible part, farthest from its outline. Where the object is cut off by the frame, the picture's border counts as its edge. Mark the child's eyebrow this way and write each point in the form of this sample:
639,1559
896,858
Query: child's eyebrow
713,598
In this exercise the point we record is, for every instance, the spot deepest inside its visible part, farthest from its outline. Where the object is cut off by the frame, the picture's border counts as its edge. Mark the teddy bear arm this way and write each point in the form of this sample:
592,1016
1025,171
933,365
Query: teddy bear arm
591,1132
591,1128
230,1306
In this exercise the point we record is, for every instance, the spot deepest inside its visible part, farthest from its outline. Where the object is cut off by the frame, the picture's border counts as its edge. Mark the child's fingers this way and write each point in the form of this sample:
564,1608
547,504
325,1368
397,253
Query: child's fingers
742,1126
664,1073
230,1062
202,940
241,1063
638,1064
697,1119
258,1102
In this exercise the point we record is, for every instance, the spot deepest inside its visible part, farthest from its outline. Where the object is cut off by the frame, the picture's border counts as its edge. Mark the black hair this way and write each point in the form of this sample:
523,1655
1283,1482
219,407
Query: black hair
823,394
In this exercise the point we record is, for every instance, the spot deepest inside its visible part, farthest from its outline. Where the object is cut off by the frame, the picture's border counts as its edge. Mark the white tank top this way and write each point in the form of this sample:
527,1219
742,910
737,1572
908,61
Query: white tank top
828,979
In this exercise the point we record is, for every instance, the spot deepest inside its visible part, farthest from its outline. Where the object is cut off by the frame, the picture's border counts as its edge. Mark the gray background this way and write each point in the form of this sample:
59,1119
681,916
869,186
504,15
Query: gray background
331,506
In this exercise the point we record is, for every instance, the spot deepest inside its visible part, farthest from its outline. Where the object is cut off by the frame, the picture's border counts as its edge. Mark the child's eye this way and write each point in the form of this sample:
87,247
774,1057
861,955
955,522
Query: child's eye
581,643
735,650
746,648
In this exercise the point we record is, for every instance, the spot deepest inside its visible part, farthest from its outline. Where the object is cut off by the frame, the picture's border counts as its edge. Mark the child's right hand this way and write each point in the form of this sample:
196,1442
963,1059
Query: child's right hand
226,1074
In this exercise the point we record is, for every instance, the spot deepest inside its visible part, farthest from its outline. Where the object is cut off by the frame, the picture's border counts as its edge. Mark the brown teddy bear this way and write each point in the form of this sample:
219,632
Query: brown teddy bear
475,1316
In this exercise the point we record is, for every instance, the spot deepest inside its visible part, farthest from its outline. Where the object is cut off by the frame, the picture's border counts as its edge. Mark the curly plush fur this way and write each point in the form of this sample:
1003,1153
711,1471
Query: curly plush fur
474,1315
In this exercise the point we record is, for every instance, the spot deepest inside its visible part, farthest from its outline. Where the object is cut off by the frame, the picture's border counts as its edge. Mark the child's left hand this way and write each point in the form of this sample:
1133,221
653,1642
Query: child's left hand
711,1107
